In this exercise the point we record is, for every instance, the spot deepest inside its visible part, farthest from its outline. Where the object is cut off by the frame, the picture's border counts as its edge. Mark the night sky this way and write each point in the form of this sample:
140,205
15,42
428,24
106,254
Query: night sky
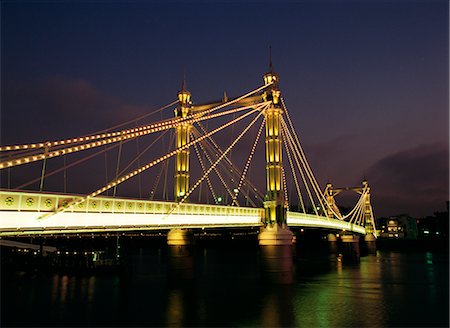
366,82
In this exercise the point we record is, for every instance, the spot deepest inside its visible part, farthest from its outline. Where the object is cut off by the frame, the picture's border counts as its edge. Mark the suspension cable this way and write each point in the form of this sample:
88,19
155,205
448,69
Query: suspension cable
117,167
233,173
145,167
122,135
102,135
208,180
215,163
297,187
228,161
249,159
305,161
68,166
289,143
309,173
96,135
222,180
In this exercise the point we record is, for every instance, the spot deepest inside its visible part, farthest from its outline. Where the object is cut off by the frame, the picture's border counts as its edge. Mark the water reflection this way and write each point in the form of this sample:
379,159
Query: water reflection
242,287
349,295
175,311
351,252
277,263
180,264
278,310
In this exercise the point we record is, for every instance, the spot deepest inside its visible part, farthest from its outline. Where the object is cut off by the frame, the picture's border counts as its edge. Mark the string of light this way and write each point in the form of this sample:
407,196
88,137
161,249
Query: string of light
147,166
249,159
232,165
128,134
215,163
222,180
208,180
297,186
128,131
289,143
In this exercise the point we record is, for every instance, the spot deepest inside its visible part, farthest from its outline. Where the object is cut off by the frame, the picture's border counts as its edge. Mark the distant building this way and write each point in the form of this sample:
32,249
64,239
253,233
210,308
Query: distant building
398,227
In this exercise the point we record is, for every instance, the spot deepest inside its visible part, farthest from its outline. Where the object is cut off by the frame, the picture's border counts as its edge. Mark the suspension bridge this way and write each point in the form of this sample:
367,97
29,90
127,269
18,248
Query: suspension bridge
209,189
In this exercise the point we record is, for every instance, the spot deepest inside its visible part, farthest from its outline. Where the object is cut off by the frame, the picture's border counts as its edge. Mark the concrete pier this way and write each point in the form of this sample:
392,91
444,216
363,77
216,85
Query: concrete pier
179,237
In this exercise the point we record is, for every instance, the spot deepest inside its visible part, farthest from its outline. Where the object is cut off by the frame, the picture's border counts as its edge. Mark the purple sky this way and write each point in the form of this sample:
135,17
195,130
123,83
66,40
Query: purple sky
366,82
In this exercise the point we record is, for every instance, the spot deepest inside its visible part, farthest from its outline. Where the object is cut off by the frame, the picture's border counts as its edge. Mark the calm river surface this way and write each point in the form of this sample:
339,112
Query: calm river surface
226,286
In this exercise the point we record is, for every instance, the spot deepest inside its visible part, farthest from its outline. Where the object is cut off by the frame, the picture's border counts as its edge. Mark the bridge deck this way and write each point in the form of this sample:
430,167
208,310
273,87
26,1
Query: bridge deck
22,214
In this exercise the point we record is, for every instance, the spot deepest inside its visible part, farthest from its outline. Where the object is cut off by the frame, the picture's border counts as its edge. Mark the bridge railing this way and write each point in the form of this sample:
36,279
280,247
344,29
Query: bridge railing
314,221
19,201
21,212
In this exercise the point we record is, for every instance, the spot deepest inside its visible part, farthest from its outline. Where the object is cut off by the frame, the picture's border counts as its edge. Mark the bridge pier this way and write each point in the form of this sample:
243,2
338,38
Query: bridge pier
277,263
275,230
332,242
181,263
350,248
332,238
275,238
369,238
179,237
350,238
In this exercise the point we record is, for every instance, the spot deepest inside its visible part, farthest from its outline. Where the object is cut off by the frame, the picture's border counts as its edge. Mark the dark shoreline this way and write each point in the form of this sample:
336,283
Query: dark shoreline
435,245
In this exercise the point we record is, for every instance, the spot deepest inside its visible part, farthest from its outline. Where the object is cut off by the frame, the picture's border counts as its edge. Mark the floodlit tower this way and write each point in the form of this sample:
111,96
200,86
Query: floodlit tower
368,215
274,203
182,132
331,208
276,231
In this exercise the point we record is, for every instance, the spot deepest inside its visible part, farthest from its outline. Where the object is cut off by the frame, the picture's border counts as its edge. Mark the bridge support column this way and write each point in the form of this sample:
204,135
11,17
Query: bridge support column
275,230
332,237
182,138
349,238
350,248
275,238
181,263
179,237
368,217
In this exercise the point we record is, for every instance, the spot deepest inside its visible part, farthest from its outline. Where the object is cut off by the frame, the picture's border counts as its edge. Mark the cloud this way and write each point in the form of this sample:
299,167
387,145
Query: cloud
413,181
56,107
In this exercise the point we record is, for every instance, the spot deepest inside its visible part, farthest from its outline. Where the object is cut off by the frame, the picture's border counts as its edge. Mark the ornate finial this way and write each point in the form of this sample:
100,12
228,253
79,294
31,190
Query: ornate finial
184,96
225,97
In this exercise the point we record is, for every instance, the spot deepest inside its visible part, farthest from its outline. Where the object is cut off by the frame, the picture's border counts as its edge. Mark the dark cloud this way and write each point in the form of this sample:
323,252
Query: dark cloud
414,181
58,107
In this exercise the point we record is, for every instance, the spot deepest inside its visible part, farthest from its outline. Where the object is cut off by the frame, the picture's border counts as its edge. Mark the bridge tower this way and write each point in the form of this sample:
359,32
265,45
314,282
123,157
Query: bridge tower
276,231
182,133
329,195
368,215
179,238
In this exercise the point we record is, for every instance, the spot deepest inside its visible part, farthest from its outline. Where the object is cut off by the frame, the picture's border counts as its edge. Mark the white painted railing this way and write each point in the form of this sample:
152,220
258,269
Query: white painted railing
21,213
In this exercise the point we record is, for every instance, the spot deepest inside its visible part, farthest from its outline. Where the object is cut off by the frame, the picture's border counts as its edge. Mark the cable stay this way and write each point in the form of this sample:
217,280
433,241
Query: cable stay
121,136
298,162
247,164
95,135
216,149
211,189
225,165
215,163
219,175
211,157
128,176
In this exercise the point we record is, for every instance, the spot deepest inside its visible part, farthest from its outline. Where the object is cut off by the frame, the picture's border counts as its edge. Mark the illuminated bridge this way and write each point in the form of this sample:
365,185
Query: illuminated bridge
213,191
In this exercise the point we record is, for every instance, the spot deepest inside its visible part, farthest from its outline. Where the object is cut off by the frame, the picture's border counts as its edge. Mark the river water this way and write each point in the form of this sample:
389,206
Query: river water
227,285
